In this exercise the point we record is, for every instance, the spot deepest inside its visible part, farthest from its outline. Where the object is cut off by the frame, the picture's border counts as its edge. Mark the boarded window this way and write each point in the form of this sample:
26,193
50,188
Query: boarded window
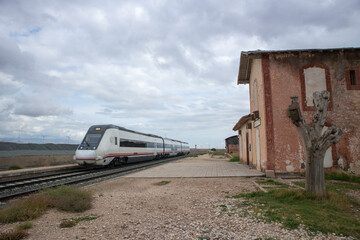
315,80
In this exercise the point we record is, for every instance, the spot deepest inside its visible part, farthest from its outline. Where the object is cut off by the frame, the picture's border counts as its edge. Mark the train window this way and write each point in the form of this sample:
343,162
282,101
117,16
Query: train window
91,140
115,140
160,145
132,143
150,145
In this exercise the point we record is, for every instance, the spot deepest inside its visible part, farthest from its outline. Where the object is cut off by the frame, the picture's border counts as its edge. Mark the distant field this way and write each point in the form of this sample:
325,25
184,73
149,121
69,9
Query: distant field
32,155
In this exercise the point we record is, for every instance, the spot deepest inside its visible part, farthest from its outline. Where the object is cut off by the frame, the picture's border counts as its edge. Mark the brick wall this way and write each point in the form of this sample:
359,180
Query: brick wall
285,75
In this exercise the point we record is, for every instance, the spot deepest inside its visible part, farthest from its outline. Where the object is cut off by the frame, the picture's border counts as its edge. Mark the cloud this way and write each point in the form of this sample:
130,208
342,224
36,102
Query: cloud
164,67
37,105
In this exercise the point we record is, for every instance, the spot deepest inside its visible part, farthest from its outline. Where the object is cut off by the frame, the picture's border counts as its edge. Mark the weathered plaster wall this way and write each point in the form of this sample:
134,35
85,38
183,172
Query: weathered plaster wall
242,143
285,71
258,149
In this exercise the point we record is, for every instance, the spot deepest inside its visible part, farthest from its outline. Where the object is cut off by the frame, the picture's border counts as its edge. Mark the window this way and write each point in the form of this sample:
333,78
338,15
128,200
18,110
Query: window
352,75
132,143
90,141
136,143
115,140
314,78
150,145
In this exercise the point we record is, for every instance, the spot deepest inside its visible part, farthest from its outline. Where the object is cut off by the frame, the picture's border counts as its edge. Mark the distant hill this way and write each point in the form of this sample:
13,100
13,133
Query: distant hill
9,146
10,149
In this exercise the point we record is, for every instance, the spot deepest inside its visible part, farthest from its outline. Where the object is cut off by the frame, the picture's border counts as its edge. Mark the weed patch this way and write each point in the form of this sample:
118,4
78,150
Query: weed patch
293,207
69,199
299,183
24,226
162,183
14,167
342,176
63,198
24,210
235,159
271,182
68,223
14,235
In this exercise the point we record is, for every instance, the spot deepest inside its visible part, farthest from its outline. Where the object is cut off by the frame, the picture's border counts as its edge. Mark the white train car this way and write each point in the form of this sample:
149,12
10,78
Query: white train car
113,145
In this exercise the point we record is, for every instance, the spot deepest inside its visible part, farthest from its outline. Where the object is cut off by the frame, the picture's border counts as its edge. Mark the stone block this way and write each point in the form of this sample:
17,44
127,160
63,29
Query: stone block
270,173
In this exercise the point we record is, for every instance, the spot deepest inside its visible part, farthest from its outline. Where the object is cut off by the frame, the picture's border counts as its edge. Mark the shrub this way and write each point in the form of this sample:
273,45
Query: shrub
63,198
14,167
14,235
24,226
69,199
67,223
24,210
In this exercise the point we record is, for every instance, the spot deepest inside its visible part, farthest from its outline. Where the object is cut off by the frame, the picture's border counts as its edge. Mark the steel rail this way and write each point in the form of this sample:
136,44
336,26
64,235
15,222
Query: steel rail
81,178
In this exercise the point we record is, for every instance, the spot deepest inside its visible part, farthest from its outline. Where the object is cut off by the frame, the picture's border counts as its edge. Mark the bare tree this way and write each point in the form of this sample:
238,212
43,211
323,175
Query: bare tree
315,141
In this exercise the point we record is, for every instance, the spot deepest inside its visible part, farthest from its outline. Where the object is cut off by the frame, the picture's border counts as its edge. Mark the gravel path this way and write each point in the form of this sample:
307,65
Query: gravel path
185,208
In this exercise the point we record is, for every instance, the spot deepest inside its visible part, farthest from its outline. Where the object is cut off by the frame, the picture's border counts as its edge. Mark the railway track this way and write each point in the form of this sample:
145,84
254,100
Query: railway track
18,187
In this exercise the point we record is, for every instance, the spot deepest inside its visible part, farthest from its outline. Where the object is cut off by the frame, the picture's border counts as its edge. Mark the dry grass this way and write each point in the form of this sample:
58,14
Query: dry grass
14,235
24,226
24,210
68,223
64,198
69,199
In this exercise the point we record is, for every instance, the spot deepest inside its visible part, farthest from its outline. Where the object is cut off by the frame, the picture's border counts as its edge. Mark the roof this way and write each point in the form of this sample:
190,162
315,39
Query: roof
232,140
247,56
241,122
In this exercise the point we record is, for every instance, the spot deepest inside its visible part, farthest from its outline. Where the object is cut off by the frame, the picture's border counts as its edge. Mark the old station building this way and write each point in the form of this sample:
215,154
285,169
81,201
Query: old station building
267,138
232,144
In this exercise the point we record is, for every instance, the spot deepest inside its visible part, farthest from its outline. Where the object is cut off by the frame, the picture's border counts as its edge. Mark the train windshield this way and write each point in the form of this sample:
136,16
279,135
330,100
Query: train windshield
91,141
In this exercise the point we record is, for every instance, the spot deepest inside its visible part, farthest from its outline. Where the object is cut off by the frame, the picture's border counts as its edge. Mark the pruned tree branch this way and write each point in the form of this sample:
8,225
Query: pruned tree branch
315,141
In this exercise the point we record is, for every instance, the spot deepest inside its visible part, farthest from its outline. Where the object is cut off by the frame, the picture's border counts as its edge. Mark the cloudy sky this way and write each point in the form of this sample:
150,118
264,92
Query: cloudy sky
165,67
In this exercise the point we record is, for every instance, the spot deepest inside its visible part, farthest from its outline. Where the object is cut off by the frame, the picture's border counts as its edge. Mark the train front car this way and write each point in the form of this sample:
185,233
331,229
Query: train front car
89,152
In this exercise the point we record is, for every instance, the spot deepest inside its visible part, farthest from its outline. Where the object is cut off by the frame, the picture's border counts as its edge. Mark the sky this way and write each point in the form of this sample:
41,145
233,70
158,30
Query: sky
165,67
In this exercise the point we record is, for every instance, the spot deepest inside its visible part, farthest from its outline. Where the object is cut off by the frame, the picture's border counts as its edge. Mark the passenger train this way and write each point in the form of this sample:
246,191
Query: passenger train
110,145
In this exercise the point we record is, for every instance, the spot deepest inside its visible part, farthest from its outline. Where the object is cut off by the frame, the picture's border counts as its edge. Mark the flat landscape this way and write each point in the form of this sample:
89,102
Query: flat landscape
136,207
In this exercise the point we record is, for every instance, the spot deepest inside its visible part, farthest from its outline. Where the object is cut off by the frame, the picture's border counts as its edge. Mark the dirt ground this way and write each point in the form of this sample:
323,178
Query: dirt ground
184,208
167,208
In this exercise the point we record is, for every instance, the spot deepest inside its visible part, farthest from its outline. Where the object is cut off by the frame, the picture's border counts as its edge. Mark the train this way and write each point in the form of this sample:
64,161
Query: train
110,145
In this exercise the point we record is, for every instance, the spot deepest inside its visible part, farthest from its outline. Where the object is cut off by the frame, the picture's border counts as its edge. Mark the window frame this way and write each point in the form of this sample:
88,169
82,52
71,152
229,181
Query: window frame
349,86
305,107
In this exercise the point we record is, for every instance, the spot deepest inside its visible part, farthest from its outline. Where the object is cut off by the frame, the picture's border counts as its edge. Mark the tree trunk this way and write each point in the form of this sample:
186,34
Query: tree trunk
315,178
315,142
